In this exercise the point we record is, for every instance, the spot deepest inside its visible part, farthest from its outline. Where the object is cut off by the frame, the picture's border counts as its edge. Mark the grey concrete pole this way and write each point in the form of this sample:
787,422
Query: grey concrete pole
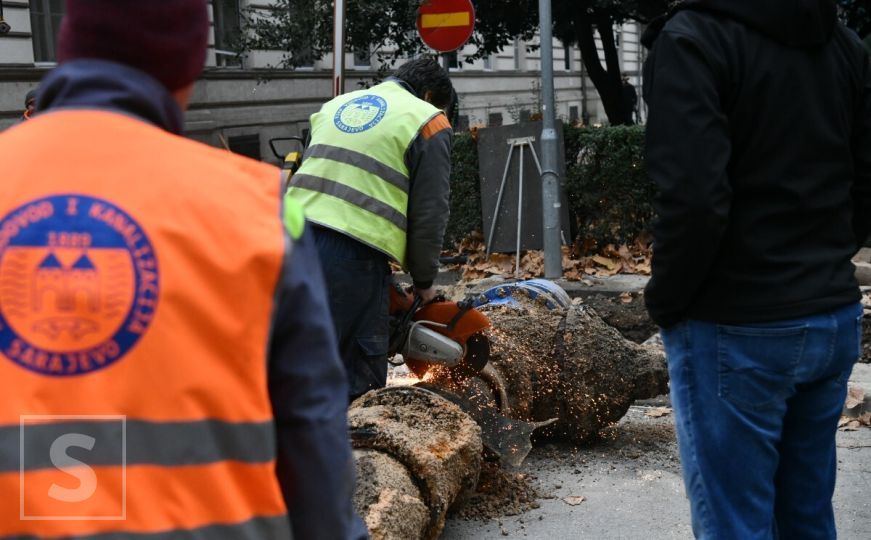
549,149
339,48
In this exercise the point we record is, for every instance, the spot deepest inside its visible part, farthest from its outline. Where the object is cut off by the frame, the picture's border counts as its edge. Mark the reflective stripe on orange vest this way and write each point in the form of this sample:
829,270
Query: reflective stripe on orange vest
138,272
145,443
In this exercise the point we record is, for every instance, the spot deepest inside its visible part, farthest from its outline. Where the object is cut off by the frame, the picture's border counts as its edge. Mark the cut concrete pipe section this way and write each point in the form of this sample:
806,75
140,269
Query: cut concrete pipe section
554,367
416,455
560,363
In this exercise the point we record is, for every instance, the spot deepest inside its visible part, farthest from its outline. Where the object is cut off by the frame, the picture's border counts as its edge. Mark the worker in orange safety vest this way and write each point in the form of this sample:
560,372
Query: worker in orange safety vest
168,366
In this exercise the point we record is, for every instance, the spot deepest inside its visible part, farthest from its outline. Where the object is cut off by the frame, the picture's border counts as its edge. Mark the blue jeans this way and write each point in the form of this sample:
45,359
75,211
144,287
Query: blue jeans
757,408
358,279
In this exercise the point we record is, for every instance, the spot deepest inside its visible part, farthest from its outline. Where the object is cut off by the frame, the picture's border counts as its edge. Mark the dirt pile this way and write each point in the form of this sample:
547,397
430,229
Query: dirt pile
416,455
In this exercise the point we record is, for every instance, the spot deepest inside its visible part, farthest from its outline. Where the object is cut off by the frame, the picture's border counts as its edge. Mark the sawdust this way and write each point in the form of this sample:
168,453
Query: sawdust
499,493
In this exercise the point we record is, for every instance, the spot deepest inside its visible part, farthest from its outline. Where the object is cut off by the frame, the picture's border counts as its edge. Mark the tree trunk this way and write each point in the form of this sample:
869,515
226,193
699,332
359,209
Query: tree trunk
608,82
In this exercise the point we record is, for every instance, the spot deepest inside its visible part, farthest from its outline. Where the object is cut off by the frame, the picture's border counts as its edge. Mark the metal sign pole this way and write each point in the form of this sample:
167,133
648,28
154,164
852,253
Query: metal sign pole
549,149
339,48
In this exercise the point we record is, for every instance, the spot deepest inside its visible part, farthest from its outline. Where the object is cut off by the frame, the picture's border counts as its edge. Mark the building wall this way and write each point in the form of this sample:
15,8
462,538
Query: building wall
236,101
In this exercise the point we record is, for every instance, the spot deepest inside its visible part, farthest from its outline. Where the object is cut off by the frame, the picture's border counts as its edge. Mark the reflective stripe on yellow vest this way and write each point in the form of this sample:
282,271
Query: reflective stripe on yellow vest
354,178
138,272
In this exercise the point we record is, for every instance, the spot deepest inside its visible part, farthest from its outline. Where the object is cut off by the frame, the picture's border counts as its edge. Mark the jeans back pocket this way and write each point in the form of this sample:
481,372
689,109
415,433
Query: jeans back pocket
757,364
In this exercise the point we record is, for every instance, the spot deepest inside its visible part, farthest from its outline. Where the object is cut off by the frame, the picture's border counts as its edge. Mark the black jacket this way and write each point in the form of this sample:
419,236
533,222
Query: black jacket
759,138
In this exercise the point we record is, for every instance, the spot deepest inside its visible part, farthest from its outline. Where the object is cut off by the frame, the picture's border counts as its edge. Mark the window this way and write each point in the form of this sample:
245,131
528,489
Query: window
488,63
462,123
518,55
453,60
304,57
245,145
494,119
227,32
573,114
362,58
45,18
568,57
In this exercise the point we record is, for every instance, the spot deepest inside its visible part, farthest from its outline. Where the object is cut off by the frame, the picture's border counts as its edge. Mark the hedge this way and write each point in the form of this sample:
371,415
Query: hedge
465,191
610,197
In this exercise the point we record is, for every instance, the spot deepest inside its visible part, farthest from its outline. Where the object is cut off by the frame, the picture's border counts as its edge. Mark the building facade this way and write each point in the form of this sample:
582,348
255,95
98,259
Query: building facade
241,103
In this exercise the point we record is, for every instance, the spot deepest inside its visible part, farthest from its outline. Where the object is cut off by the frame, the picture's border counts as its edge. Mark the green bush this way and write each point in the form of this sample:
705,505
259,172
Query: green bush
608,190
609,194
465,190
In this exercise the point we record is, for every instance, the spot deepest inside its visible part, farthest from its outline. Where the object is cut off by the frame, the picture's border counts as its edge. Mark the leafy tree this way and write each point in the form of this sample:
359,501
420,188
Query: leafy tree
857,15
303,30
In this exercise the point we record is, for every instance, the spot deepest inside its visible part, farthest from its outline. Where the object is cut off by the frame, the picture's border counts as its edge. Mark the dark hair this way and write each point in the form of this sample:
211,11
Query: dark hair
426,75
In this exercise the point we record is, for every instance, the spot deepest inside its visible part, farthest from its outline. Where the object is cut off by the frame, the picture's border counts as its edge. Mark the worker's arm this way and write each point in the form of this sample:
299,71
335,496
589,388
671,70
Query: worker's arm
429,162
309,392
862,162
688,147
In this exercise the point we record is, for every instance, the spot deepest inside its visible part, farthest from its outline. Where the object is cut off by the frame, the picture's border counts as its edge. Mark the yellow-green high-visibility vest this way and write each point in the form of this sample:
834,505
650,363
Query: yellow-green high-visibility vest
354,178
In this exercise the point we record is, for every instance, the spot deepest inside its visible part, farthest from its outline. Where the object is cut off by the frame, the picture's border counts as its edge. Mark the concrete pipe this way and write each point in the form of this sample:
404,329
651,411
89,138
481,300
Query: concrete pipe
417,454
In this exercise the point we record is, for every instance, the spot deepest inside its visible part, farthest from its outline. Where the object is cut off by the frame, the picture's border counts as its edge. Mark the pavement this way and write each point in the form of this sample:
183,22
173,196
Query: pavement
632,488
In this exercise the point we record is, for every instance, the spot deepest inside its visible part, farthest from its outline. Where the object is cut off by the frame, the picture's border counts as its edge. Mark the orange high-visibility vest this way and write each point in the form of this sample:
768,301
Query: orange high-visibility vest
137,276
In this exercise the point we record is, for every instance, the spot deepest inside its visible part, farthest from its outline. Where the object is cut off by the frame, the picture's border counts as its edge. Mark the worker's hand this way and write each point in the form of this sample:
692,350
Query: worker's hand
427,295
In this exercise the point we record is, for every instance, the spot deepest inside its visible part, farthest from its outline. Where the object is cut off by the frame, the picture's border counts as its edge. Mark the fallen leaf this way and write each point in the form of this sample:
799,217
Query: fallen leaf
855,397
865,419
643,268
852,425
844,421
626,298
658,412
610,264
574,501
573,275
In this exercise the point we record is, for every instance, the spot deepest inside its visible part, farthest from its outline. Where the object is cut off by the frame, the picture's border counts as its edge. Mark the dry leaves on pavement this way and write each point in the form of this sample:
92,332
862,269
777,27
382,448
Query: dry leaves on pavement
658,412
605,262
854,424
855,397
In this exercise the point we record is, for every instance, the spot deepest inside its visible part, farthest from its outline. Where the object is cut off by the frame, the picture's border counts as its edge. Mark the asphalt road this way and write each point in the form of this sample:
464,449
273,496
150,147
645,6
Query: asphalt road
632,487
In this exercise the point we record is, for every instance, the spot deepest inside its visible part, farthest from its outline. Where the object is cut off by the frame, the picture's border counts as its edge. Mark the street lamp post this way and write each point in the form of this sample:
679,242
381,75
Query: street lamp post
549,149
339,48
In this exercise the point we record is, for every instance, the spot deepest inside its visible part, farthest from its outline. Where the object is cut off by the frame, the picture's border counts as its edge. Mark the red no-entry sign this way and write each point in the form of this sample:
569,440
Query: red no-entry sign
445,25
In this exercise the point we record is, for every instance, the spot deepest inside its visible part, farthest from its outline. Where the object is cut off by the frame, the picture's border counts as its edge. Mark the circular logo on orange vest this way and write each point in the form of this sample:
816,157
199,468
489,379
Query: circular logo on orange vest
78,284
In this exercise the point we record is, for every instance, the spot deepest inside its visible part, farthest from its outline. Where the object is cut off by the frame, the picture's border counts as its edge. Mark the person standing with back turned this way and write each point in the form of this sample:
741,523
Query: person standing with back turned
759,138
375,181
161,312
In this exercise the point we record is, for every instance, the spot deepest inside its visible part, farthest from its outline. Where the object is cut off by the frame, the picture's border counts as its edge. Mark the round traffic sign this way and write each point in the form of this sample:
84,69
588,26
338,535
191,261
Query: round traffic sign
445,25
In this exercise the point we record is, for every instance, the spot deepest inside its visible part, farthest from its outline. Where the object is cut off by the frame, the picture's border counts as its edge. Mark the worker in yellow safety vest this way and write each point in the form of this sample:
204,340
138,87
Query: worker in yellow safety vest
168,367
375,182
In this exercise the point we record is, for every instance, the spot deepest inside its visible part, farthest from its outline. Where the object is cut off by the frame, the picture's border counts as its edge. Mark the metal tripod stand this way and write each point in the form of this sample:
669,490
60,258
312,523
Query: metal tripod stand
520,143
